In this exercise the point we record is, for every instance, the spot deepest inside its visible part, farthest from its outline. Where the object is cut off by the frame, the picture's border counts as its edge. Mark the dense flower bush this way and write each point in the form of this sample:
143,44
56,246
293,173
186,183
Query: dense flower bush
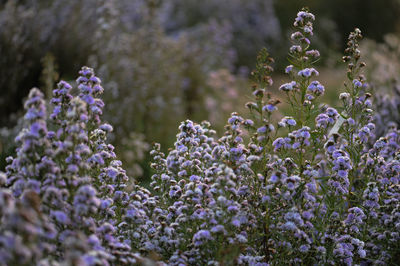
315,187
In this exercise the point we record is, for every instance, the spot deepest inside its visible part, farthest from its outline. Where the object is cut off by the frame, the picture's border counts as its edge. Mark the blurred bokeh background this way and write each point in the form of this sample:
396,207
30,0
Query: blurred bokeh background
164,61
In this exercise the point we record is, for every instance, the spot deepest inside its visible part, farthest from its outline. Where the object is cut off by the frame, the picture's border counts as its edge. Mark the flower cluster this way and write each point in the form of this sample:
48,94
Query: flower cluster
315,187
65,185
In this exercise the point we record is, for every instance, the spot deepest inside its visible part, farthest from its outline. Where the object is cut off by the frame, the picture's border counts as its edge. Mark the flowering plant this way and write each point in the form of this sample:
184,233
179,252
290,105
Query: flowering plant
314,188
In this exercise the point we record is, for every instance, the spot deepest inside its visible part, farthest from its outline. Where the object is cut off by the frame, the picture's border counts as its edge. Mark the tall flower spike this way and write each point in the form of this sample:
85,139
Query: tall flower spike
302,92
111,203
61,100
263,106
262,74
32,145
90,88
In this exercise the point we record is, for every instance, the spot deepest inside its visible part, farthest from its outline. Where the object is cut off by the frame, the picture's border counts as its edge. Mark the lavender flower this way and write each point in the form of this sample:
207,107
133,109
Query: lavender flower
288,86
308,72
316,88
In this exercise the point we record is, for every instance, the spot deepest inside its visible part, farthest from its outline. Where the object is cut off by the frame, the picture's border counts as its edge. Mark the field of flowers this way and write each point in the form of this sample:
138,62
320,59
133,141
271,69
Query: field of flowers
317,184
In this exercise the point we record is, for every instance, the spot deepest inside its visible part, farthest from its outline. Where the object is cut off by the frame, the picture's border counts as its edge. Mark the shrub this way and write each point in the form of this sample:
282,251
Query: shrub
309,189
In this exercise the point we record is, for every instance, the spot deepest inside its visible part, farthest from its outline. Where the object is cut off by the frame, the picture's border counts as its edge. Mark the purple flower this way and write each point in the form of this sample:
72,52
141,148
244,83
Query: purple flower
304,248
262,129
302,18
201,236
288,86
106,127
248,122
234,119
362,253
233,209
280,143
194,178
274,178
307,215
295,49
112,172
342,173
288,69
73,168
291,122
287,121
308,72
357,83
235,222
289,226
269,108
316,88
60,217
218,228
322,121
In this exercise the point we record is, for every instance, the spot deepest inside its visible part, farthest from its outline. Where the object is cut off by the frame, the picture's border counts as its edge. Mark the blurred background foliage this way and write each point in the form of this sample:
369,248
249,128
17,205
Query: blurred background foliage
163,61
